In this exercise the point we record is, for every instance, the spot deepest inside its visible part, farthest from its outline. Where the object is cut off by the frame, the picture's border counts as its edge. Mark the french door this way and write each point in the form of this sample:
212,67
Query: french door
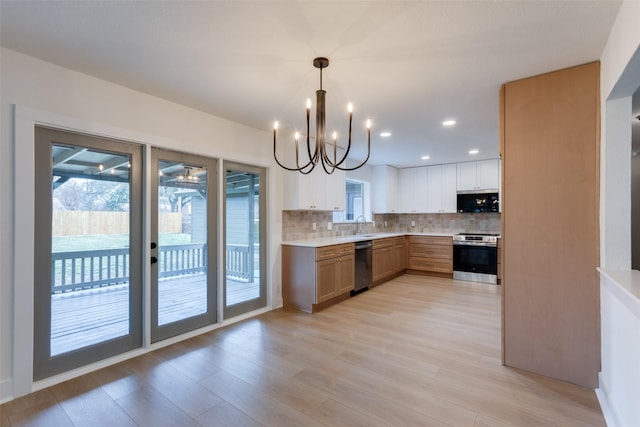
245,230
183,243
87,249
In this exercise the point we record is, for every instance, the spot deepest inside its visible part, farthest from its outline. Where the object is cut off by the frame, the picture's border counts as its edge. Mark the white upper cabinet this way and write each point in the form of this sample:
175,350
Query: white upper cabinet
449,188
441,188
335,191
488,174
412,190
385,189
480,175
430,189
315,191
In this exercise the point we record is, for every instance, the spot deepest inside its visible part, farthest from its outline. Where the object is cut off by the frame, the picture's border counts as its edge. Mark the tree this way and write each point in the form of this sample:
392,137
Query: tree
93,195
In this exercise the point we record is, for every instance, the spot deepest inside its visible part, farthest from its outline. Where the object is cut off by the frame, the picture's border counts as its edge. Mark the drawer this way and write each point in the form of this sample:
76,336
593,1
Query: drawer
431,240
383,243
398,241
430,264
434,251
334,251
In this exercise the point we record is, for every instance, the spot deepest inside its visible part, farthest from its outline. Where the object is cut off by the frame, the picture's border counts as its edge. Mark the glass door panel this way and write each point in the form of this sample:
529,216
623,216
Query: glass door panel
245,260
88,216
183,243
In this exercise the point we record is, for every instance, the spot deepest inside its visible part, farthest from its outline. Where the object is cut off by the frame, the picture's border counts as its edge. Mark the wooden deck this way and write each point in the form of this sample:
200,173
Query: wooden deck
83,318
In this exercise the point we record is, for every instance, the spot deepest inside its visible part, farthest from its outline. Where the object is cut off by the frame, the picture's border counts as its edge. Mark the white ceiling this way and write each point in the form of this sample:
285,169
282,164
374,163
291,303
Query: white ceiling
406,65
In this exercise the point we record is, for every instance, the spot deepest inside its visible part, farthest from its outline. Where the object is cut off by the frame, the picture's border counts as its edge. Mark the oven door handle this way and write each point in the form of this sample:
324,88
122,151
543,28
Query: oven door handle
485,244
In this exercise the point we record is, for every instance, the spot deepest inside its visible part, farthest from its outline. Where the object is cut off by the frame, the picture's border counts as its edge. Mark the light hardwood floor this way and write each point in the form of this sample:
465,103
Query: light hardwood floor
416,351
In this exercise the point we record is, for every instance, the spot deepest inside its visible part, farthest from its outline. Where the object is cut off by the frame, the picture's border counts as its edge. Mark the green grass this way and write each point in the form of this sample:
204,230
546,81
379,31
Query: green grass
109,241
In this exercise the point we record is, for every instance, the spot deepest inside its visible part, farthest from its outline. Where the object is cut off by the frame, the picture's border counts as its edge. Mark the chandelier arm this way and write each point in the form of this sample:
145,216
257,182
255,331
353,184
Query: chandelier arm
311,158
327,163
366,159
346,153
307,172
308,140
297,169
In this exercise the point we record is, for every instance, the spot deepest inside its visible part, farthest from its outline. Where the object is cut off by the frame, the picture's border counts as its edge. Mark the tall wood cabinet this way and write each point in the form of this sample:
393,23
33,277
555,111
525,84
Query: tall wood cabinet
550,238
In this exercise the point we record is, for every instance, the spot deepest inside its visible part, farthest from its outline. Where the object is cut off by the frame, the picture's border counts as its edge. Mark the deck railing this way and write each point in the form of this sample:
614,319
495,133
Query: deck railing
71,271
176,260
239,262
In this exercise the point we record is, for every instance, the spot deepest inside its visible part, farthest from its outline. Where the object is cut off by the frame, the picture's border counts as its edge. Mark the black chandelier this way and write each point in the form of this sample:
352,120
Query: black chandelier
319,154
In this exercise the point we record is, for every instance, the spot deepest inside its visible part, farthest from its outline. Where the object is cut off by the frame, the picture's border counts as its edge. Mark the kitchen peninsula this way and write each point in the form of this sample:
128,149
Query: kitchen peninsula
317,273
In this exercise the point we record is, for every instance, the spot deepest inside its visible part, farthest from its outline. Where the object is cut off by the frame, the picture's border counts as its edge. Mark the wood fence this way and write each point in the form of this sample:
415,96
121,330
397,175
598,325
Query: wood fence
86,223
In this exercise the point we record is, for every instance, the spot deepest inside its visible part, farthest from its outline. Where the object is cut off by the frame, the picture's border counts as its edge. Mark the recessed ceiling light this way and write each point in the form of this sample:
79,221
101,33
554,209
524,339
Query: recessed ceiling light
385,134
474,151
449,122
425,157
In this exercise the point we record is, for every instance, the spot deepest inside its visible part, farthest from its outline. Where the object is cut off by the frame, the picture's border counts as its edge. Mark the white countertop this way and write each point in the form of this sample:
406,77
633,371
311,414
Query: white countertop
328,241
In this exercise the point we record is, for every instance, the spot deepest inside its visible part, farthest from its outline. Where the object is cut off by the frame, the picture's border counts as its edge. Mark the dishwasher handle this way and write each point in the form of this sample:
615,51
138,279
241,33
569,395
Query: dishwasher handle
364,245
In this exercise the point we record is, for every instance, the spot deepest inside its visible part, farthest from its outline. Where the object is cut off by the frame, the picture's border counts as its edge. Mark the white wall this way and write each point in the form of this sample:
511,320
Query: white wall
620,76
98,106
620,68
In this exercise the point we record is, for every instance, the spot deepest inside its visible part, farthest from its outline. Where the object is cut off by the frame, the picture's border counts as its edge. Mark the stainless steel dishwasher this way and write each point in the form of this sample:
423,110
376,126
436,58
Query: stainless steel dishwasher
363,270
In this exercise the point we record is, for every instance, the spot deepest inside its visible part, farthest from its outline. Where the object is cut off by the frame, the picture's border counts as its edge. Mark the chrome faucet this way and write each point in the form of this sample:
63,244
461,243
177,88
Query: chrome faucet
364,220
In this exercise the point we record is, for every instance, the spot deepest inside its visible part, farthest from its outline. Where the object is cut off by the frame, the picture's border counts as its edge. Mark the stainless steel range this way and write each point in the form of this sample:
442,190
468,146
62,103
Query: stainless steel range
475,257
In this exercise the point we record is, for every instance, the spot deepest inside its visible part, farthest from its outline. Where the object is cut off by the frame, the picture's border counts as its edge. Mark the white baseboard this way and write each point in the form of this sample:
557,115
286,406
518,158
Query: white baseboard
6,391
607,408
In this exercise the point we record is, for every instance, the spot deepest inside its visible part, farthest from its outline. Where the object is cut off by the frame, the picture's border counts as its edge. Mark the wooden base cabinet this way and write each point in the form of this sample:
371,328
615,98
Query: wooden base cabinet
388,258
314,278
430,254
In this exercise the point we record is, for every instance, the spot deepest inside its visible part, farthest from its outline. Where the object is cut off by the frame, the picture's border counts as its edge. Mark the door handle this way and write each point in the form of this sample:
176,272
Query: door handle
154,260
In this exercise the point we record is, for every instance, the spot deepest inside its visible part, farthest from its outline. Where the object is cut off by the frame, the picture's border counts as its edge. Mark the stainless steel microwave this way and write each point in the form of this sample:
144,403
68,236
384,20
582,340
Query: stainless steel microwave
478,201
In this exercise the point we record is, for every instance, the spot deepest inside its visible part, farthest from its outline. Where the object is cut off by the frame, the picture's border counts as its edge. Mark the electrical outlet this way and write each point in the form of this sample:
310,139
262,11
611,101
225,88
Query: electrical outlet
385,223
413,224
329,226
313,226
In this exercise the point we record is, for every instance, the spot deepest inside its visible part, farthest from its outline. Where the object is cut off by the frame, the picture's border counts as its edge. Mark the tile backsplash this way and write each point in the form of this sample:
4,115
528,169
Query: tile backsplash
298,225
